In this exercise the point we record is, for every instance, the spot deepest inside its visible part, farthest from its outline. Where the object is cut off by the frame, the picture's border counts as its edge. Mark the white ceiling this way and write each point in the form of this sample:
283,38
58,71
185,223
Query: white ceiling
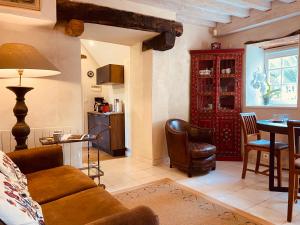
210,12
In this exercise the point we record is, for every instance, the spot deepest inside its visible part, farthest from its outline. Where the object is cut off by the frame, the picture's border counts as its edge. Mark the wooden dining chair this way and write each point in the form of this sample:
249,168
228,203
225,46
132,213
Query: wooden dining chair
294,165
260,145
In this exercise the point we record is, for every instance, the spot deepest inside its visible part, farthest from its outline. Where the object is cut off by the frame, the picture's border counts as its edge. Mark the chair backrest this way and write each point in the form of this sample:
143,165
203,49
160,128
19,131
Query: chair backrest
249,126
177,140
294,133
178,125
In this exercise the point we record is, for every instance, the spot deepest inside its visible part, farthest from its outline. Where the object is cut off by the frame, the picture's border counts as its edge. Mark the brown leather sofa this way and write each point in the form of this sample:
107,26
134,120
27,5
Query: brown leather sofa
69,197
190,148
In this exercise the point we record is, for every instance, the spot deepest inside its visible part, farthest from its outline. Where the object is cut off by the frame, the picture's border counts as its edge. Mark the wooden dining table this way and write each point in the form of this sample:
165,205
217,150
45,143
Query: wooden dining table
273,128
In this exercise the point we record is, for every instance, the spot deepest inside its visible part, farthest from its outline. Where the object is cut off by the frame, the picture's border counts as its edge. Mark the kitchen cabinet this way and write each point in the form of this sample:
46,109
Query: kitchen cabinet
110,74
110,127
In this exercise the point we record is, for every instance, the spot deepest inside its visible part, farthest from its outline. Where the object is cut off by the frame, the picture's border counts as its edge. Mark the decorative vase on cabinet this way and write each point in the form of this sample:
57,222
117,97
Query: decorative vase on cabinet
215,98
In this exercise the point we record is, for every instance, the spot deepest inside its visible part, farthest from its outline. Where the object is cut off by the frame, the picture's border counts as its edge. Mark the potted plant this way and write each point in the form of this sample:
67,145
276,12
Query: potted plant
269,94
260,82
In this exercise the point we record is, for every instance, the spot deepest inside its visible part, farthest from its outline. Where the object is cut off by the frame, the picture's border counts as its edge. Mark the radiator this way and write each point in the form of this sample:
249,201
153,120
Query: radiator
72,152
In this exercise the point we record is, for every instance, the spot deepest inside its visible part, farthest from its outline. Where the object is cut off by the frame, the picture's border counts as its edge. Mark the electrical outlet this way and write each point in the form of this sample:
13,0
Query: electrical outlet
265,155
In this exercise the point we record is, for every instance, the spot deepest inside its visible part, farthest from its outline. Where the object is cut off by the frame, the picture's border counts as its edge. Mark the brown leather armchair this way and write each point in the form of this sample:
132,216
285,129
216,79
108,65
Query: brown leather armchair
190,148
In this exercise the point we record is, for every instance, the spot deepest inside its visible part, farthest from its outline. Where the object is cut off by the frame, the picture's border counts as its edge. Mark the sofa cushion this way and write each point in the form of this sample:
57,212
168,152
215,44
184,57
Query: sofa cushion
81,208
48,185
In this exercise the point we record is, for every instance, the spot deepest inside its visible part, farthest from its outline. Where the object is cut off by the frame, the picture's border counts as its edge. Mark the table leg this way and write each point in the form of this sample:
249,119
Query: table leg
272,187
98,166
272,162
88,158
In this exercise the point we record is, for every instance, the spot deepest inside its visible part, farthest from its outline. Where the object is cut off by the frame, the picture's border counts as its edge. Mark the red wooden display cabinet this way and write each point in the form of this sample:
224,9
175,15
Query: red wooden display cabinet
215,98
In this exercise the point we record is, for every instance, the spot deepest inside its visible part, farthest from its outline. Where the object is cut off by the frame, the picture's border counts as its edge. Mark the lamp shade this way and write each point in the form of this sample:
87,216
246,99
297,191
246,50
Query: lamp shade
15,56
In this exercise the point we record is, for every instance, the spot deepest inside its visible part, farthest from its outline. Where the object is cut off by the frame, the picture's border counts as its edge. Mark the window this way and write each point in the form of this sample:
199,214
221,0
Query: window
271,76
282,77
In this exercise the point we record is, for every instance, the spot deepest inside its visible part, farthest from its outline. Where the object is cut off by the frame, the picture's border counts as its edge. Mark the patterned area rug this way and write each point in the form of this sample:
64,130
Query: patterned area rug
176,204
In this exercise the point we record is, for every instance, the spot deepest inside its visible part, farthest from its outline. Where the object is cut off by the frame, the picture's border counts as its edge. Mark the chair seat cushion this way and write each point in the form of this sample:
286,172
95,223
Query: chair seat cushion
81,208
201,150
49,185
266,144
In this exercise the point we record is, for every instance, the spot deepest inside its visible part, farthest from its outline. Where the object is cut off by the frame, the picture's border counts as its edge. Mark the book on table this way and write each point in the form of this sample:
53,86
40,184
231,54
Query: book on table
73,137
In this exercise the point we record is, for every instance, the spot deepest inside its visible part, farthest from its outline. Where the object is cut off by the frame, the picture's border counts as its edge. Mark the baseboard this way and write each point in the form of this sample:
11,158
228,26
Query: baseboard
162,160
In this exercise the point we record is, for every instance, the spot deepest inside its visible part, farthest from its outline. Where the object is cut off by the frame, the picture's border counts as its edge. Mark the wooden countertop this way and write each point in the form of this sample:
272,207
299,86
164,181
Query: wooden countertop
105,114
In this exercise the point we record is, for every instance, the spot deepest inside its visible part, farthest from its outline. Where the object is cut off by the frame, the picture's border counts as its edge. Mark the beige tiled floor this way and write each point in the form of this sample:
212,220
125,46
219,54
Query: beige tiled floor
251,195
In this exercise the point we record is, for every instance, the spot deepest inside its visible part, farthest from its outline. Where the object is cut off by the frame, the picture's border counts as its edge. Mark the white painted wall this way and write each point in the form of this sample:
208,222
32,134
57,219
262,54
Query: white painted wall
171,83
254,61
55,101
140,94
101,54
45,17
88,93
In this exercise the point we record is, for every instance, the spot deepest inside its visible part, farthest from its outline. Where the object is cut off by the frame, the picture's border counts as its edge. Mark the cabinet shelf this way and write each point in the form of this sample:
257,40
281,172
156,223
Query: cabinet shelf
227,75
228,93
205,93
206,76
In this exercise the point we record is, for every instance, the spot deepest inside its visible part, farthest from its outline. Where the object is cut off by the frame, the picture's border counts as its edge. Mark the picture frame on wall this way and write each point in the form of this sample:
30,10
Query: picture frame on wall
25,4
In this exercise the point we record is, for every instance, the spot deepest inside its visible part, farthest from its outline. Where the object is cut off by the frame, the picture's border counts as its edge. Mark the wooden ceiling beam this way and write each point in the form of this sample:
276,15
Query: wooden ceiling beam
74,28
164,41
262,5
280,11
200,9
218,7
287,1
75,14
204,15
195,21
91,13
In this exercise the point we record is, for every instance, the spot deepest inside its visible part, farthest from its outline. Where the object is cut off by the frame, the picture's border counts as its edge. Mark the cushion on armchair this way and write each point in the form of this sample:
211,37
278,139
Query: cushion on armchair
201,150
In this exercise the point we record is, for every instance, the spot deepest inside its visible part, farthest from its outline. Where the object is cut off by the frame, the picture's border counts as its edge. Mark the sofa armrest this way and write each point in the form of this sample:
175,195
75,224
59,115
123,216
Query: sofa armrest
36,159
141,215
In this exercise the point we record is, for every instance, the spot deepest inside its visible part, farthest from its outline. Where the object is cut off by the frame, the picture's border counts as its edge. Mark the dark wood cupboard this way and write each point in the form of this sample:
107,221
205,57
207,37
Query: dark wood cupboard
215,98
110,74
111,127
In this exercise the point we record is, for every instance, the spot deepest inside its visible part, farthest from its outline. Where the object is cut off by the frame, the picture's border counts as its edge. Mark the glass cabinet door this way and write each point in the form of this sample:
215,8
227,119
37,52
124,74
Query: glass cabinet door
206,84
227,83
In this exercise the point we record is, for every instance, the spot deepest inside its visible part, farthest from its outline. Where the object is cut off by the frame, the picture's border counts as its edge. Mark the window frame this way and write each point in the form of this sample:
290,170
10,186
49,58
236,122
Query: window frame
279,53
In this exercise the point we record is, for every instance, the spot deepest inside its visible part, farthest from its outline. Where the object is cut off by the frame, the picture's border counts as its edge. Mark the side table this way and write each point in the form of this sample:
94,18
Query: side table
88,138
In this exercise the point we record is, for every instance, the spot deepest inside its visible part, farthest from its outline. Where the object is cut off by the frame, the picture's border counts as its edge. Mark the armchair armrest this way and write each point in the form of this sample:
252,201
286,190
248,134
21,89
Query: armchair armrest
36,159
197,134
141,215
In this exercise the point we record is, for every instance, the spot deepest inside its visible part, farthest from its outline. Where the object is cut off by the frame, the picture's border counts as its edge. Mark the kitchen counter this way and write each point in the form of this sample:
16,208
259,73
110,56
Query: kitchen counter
105,114
111,127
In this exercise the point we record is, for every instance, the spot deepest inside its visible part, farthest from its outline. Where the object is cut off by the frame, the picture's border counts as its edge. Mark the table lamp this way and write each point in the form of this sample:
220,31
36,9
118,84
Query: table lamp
22,60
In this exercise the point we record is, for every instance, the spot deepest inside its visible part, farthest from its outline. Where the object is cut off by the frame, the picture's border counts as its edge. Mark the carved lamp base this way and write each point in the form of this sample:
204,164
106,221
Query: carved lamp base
20,130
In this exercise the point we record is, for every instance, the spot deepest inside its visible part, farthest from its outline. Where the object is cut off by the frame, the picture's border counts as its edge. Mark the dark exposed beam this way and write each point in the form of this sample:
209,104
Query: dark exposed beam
297,32
162,42
74,28
91,13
